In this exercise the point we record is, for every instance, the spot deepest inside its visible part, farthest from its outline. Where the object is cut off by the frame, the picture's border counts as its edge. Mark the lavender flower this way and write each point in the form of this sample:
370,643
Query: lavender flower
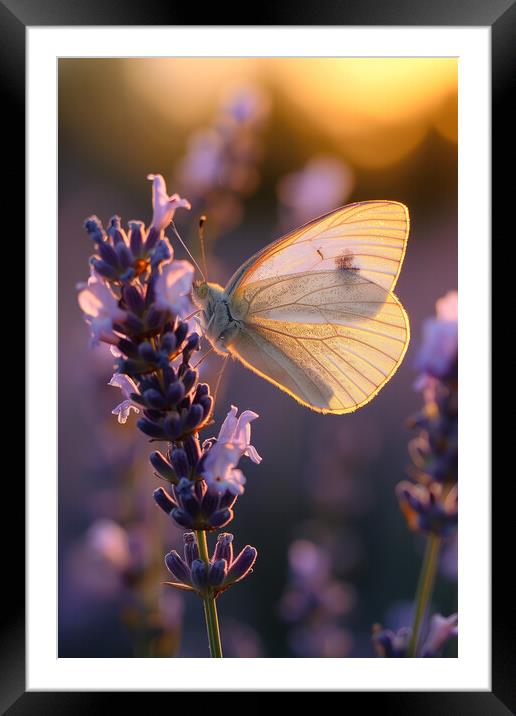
389,644
136,300
430,502
212,578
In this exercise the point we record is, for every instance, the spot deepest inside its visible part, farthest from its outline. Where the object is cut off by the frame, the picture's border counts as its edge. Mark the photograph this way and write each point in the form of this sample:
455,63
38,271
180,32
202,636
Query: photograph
257,357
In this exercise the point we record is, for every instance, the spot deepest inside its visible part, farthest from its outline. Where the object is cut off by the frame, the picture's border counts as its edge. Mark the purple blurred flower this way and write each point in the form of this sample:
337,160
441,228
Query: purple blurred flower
429,509
389,644
320,186
437,356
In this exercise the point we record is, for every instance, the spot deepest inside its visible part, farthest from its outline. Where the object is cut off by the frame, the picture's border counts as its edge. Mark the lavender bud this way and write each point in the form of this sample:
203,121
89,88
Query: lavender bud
180,462
147,352
93,226
164,500
172,426
210,502
154,318
175,392
206,402
177,567
103,268
189,378
152,238
194,417
115,231
242,565
125,257
199,573
168,343
182,518
134,323
224,547
217,573
181,332
135,237
108,254
191,548
162,467
150,428
220,518
133,299
128,348
154,399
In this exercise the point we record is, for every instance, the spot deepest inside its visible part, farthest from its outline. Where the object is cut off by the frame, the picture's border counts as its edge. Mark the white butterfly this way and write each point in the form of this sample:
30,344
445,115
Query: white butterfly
314,311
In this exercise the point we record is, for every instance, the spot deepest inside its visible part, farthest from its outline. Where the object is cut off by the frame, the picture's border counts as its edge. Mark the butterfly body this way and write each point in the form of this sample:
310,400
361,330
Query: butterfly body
314,312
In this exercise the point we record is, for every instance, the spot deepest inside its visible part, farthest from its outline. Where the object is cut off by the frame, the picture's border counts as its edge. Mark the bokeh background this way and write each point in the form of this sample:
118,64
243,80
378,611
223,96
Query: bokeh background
260,145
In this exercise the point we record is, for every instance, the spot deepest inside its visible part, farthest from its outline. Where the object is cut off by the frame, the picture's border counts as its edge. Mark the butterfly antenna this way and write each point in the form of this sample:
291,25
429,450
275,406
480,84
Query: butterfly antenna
202,222
219,378
187,250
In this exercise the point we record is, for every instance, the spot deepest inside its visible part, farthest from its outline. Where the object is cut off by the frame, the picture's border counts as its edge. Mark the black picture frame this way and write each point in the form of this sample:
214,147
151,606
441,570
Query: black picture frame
15,17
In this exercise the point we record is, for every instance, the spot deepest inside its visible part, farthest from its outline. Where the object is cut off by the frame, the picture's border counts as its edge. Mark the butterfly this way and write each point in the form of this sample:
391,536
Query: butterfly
314,312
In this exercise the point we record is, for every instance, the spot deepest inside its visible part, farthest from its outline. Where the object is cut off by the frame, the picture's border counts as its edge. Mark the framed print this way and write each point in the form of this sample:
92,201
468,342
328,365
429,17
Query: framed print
258,291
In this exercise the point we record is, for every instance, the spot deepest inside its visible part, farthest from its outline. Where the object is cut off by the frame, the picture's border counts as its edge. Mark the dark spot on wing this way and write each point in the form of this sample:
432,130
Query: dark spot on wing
344,262
320,254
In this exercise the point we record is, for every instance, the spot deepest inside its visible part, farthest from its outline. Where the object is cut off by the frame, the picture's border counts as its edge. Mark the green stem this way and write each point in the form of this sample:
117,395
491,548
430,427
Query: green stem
210,608
425,589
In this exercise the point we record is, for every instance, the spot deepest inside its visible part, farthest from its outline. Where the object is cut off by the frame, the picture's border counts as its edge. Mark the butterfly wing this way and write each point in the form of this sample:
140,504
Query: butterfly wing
319,320
369,236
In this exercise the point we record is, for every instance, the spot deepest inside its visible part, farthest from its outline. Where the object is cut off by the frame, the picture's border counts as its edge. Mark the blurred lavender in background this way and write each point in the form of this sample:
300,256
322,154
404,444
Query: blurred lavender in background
252,143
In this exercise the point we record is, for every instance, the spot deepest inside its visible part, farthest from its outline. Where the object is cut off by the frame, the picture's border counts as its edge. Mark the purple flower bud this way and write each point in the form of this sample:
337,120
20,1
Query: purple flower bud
210,502
134,323
125,257
206,402
149,428
93,226
175,392
154,318
194,417
164,500
136,237
193,449
163,467
181,332
202,390
115,231
104,269
189,378
172,426
228,499
108,254
224,547
154,399
217,573
182,518
128,348
180,462
242,565
177,567
185,491
152,238
147,352
220,518
133,299
168,343
191,548
199,573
